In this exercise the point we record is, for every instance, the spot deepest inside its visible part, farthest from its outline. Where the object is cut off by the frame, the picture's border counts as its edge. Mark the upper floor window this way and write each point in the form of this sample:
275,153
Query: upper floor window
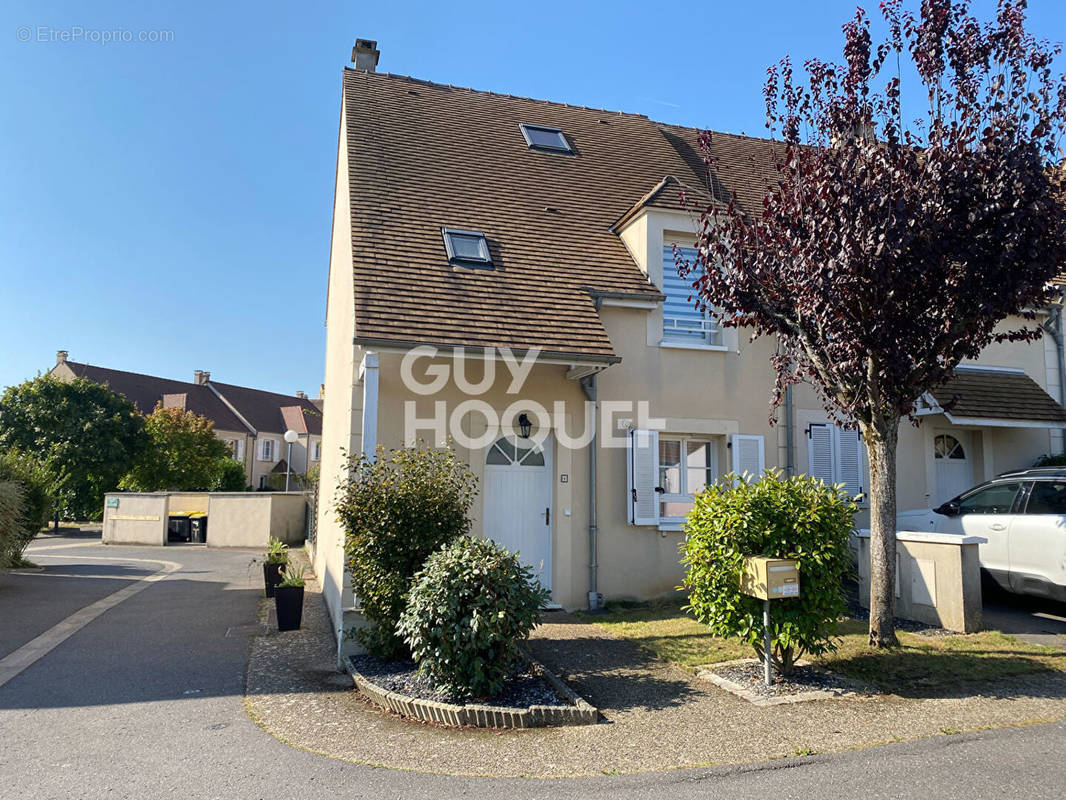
682,321
540,137
467,248
267,450
316,450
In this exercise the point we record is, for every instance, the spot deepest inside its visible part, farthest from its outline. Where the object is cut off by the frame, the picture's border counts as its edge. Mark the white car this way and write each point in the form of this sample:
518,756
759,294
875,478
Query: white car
1023,516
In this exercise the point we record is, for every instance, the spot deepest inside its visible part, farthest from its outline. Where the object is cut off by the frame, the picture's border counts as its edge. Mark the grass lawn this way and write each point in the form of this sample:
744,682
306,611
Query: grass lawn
920,661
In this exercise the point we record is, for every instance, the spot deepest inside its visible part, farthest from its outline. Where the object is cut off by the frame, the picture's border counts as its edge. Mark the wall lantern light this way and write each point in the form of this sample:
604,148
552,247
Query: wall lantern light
525,427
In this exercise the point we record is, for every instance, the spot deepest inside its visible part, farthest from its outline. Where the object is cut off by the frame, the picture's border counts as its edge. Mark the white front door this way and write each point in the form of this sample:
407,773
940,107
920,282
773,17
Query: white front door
954,467
518,494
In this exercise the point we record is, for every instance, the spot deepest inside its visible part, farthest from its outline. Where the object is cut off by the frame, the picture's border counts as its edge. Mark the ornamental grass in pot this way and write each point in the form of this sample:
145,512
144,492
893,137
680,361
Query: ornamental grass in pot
277,557
289,598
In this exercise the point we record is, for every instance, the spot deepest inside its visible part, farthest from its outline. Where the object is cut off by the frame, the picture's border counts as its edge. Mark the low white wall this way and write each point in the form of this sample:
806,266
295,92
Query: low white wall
135,518
234,519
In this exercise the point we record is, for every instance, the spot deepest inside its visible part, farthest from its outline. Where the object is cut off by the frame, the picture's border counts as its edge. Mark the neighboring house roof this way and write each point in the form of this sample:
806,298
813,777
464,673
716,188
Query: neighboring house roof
263,410
146,392
423,156
996,394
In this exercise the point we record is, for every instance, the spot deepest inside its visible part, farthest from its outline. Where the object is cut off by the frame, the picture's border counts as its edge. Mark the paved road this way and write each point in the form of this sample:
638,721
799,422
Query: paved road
144,701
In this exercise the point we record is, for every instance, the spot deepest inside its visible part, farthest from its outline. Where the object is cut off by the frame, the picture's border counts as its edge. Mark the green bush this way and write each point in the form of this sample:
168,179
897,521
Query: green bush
231,477
11,511
35,483
396,510
800,518
467,612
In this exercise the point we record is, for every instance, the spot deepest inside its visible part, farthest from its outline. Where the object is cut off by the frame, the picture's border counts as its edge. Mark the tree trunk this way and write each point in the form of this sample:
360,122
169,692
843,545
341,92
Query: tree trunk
881,450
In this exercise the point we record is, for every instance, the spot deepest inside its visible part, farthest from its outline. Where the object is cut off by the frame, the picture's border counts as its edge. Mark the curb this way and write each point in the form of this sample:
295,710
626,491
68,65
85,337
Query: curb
482,716
847,689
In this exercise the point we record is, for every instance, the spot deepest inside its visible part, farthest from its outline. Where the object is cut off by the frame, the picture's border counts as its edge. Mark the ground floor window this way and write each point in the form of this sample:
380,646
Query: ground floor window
685,467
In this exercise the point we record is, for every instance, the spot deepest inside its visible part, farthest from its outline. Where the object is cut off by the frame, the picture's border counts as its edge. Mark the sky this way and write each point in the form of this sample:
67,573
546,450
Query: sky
165,204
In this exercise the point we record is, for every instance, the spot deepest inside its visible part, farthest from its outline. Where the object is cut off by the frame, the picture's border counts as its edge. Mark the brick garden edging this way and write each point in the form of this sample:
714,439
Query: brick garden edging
580,712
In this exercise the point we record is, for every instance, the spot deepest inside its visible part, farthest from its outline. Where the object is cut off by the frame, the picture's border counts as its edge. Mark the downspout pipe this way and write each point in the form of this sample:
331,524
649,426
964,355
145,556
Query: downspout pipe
790,435
595,598
1053,326
589,384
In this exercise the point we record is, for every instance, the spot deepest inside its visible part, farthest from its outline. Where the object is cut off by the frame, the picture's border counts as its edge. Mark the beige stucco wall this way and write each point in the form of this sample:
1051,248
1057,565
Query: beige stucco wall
138,518
249,519
234,519
339,429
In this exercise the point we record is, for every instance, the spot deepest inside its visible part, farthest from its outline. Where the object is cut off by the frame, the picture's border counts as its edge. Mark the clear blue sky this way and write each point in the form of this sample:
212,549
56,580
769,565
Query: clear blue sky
166,206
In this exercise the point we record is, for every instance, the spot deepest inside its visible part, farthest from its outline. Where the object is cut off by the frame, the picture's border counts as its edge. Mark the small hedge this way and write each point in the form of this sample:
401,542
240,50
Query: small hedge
466,615
799,517
11,511
34,482
396,510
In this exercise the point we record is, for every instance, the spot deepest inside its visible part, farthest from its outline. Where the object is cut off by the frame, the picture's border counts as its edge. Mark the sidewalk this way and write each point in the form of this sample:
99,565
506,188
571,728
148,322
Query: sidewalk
657,717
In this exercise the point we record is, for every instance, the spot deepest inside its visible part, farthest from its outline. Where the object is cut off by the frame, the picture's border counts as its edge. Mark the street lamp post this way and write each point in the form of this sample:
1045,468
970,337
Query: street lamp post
290,437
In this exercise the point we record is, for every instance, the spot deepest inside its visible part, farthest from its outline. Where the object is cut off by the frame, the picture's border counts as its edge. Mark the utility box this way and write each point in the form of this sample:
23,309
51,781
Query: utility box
770,578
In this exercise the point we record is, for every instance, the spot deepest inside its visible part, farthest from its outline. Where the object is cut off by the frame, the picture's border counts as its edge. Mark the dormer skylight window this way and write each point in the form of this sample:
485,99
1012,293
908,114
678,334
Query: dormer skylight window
539,137
467,248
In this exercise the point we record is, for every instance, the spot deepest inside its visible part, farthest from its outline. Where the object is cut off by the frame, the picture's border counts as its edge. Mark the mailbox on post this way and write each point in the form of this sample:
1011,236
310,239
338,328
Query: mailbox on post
769,579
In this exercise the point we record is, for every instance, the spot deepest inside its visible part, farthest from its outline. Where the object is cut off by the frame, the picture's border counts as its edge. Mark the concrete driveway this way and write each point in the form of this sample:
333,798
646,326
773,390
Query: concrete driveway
123,679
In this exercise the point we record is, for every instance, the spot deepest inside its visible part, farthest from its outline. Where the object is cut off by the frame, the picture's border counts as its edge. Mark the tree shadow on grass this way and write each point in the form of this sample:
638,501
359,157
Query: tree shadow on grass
613,674
1000,674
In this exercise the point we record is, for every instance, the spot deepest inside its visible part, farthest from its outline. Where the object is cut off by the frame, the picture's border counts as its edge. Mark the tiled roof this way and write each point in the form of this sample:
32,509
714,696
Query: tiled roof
263,410
998,394
423,156
146,392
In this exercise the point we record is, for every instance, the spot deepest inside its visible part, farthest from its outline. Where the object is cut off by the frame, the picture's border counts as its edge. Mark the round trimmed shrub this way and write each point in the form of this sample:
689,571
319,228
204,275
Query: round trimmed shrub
799,517
396,510
468,611
35,484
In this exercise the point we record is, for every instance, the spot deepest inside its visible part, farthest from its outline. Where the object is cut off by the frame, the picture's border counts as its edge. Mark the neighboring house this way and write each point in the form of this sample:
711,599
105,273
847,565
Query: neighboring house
467,221
251,422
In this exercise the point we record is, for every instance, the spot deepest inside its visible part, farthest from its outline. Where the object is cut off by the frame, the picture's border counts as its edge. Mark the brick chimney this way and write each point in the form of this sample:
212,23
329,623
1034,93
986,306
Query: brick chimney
61,356
365,54
302,395
200,377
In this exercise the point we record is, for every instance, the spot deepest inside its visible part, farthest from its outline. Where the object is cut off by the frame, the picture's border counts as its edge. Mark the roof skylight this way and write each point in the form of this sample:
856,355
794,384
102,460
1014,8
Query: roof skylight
467,248
540,137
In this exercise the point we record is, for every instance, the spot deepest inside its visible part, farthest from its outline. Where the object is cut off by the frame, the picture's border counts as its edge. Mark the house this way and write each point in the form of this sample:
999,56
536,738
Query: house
251,422
502,274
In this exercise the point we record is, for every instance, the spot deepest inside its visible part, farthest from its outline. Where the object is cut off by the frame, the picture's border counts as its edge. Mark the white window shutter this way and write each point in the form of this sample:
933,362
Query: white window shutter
820,453
275,451
642,473
849,464
747,454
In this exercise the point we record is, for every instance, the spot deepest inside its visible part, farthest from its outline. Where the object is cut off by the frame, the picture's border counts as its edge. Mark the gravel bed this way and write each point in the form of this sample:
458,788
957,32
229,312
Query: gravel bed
856,611
802,679
522,690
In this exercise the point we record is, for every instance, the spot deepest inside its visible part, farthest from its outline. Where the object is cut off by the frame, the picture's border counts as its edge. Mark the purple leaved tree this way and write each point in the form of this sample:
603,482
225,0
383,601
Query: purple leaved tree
889,247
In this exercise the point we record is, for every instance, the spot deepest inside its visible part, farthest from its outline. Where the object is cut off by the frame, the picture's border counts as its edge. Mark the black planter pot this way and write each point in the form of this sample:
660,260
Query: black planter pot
289,603
271,577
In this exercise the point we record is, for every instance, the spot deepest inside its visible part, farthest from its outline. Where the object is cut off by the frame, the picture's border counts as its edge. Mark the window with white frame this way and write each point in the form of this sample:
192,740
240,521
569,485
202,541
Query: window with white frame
316,450
664,471
268,450
236,449
834,454
685,467
683,322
